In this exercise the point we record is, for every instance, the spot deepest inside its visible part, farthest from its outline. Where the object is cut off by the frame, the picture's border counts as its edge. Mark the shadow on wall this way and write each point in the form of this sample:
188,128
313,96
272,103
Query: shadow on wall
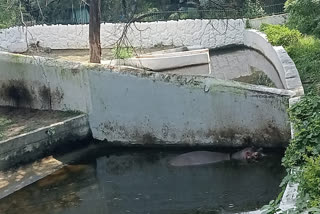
17,94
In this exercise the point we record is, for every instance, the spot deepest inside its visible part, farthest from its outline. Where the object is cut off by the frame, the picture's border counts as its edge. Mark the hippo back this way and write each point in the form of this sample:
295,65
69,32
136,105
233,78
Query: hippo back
198,158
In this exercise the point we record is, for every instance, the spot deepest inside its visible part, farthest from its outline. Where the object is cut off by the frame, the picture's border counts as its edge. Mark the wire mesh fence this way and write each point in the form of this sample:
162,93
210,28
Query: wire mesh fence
211,14
82,16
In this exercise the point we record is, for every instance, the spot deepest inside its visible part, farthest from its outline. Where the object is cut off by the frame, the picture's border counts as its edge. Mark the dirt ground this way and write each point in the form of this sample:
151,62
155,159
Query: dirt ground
83,55
15,121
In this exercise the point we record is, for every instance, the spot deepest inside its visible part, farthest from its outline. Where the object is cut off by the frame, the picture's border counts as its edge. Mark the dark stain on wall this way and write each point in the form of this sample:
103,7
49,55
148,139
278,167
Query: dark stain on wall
16,91
75,71
45,96
57,95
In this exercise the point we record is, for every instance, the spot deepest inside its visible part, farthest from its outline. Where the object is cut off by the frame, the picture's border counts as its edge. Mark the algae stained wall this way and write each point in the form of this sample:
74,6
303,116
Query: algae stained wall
172,109
39,83
137,107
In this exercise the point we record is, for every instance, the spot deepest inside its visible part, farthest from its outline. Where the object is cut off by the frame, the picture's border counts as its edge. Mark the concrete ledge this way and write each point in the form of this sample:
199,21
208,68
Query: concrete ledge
292,77
289,198
160,62
34,144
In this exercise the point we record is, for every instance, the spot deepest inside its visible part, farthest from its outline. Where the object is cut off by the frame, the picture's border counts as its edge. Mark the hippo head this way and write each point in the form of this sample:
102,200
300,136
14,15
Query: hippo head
249,154
252,154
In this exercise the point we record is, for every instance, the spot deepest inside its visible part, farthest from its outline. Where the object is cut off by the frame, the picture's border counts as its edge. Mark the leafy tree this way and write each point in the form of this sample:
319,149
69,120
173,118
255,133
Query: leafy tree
304,15
253,8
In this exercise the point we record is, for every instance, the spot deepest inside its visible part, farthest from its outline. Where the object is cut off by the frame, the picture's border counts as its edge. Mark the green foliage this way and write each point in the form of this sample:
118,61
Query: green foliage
273,206
9,15
304,15
189,14
281,35
305,116
154,16
303,151
306,55
304,51
122,52
253,9
309,184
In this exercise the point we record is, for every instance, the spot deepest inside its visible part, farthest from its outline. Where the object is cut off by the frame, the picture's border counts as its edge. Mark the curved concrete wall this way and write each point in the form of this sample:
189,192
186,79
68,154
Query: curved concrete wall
286,68
139,107
273,20
206,33
242,62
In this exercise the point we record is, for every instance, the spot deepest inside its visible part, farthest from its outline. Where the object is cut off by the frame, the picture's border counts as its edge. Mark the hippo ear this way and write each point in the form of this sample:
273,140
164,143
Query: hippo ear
248,155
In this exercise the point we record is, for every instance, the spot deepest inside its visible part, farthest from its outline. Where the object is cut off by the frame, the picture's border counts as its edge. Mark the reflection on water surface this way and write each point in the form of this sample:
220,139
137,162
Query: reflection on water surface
143,182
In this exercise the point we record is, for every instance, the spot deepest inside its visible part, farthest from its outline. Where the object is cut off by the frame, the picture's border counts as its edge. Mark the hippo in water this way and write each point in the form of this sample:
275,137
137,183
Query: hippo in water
205,157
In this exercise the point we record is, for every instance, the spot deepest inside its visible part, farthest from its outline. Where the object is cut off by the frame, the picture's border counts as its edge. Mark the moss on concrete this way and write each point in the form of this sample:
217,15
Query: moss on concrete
4,124
257,77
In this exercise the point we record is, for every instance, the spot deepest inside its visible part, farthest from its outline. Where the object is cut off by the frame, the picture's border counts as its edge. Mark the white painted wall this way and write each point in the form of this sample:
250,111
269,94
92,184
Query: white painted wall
139,107
206,33
13,39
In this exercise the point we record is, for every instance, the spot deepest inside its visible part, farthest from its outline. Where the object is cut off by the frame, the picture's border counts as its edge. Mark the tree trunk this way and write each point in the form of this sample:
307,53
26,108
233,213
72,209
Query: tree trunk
94,31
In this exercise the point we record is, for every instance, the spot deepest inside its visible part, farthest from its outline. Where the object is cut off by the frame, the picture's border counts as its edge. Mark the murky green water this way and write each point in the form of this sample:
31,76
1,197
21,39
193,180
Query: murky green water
142,182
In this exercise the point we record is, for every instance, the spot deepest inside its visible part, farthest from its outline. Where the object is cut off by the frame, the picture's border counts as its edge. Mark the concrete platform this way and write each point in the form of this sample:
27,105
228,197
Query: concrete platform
68,132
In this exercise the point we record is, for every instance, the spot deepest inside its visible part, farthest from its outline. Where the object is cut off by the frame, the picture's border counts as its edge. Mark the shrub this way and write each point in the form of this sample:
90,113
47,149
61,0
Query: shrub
309,184
281,35
306,55
305,116
304,152
304,51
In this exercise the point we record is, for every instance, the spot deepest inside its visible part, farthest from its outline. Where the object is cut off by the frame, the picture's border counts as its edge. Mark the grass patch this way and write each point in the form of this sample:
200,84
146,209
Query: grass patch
122,52
4,123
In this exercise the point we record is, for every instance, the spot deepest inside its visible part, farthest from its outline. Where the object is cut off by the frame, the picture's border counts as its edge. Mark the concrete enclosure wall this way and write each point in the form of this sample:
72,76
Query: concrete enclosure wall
233,63
139,107
274,20
42,84
33,144
286,68
206,33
